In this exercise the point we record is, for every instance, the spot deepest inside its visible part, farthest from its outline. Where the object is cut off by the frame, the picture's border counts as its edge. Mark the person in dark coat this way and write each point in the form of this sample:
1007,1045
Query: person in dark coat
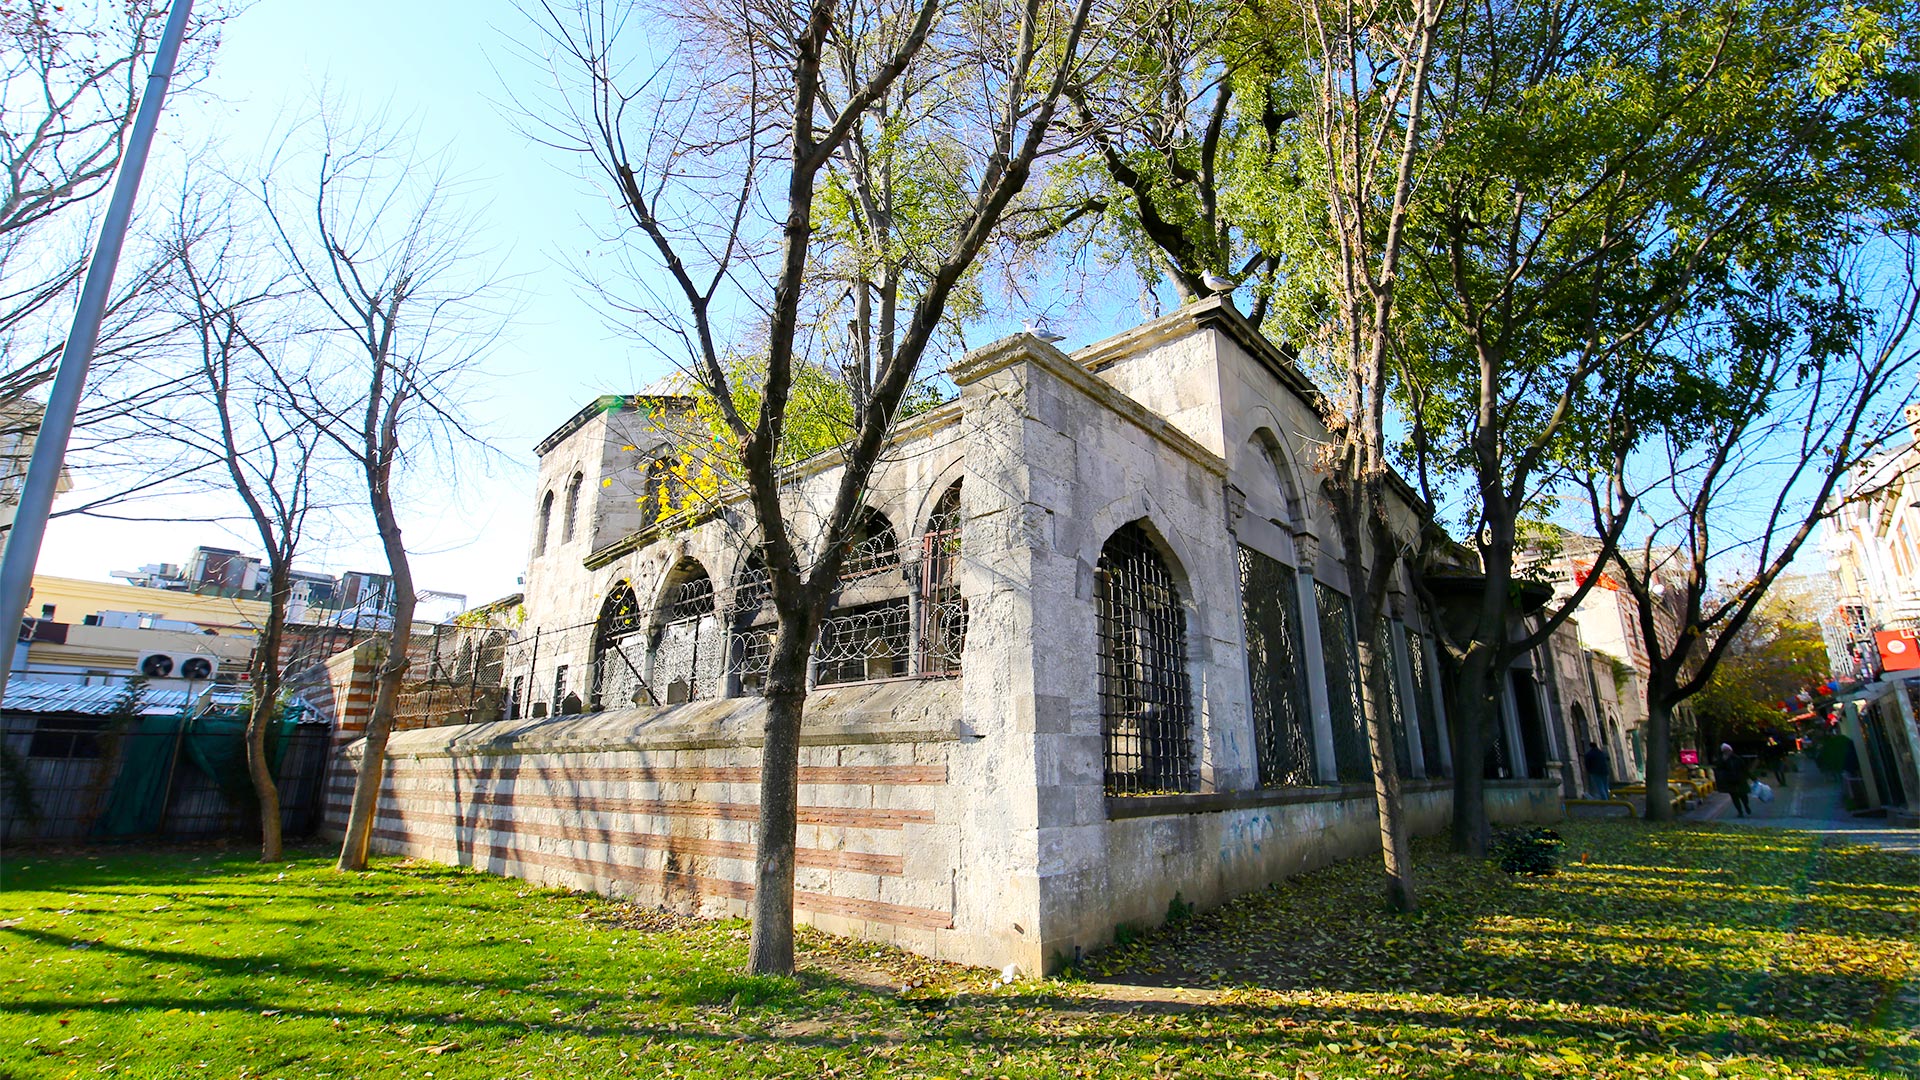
1774,755
1599,772
1730,775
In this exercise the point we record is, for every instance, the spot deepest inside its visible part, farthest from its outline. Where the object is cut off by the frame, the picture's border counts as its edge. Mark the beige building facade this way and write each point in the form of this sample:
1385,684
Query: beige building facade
1092,655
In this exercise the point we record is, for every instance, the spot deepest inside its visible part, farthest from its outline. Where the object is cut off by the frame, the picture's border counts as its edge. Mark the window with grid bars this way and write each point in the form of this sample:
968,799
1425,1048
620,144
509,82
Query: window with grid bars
1270,607
1423,710
871,550
1396,707
686,646
863,643
1145,697
615,675
1340,654
750,648
943,611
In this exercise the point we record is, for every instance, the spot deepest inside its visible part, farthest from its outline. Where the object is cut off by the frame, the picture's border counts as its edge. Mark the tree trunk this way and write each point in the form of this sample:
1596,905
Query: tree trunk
1659,750
373,763
770,951
1470,708
266,694
386,698
1376,705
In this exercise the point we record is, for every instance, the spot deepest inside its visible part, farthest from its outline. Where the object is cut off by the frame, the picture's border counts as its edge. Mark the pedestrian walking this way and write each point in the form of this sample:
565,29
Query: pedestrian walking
1599,772
1731,776
1774,755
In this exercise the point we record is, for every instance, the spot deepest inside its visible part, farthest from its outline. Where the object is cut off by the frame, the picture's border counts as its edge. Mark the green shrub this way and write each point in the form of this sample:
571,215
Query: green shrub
1528,849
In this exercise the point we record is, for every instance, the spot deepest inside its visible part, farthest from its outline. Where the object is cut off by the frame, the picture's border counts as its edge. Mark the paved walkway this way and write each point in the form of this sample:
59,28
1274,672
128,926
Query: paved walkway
1809,801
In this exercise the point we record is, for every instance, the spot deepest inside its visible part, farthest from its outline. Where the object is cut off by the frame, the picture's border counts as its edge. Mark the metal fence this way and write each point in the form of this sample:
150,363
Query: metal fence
62,775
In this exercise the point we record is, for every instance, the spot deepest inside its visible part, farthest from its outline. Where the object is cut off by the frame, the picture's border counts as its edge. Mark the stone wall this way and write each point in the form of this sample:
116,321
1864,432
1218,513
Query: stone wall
662,805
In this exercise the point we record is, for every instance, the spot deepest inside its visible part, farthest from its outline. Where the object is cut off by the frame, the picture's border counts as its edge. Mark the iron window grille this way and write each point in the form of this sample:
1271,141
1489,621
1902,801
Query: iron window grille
943,611
1423,710
753,587
1499,763
616,681
683,646
1341,657
1270,608
1396,708
750,642
873,549
1145,698
863,643
752,652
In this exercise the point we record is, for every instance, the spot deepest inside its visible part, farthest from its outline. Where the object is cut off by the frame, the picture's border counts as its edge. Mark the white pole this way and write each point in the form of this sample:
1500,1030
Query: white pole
63,402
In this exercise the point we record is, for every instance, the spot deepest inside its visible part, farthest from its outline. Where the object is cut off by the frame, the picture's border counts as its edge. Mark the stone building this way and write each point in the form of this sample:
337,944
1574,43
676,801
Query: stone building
1092,653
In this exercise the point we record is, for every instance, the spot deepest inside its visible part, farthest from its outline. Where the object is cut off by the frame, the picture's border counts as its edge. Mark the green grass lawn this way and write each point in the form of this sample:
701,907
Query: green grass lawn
1672,951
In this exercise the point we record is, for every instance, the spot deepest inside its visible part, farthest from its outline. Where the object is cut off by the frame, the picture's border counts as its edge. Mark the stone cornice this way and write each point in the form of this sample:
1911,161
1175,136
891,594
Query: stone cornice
925,424
1210,314
1025,348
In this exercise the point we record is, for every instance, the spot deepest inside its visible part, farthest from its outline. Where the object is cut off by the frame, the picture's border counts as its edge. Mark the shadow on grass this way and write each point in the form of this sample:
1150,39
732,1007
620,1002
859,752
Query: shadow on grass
1004,1023
1677,922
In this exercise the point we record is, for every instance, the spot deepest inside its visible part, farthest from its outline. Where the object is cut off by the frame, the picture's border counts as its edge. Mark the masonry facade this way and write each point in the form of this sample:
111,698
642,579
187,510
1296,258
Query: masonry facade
1092,652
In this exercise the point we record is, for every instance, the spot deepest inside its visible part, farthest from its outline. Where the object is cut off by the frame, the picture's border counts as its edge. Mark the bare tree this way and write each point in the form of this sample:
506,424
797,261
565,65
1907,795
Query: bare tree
242,333
402,311
721,157
1720,508
71,76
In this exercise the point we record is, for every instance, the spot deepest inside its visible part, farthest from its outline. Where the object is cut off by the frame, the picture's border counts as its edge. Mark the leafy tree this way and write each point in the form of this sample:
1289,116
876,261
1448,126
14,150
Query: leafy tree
1609,186
1815,375
1228,150
786,171
1777,654
1591,187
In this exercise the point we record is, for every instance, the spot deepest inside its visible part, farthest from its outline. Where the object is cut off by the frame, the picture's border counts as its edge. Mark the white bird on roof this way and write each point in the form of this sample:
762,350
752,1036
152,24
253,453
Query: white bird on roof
1215,283
1041,329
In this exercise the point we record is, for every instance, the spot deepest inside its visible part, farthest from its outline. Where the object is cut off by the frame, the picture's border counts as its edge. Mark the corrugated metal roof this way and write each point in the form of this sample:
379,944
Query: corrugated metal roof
40,696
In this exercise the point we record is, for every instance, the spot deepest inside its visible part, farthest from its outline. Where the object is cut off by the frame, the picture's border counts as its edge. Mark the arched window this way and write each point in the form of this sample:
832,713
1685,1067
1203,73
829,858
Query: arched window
546,524
1146,702
943,611
1277,679
872,549
1423,707
663,492
573,508
615,679
873,638
750,649
1272,478
687,649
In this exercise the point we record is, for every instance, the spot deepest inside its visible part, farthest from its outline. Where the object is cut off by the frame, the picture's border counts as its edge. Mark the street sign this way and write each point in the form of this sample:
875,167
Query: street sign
1899,649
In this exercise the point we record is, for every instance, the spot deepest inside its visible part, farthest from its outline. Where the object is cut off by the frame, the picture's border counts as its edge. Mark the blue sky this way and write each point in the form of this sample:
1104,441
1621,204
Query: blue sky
446,66
441,64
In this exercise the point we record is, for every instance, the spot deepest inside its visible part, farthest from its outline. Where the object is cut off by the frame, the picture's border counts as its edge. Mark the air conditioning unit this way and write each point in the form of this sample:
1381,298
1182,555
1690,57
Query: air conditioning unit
193,667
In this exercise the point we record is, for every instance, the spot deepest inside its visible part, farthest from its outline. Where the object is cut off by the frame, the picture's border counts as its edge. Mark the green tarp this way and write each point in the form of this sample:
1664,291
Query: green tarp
214,744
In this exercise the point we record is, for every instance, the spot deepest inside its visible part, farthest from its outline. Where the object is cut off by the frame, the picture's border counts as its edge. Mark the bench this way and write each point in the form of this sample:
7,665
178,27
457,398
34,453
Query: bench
1624,804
